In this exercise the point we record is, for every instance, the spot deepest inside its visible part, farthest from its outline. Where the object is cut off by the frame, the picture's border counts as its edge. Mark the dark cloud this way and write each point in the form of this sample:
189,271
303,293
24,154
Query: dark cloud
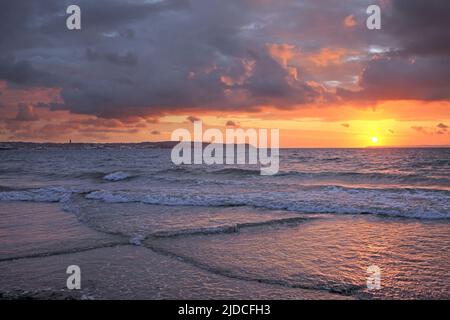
127,59
231,123
416,64
178,53
419,129
397,78
420,27
155,132
345,125
26,113
192,119
22,72
441,128
149,58
89,128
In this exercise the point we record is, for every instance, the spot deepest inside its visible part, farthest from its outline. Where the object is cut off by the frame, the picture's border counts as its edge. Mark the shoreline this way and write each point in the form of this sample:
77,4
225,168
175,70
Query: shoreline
192,266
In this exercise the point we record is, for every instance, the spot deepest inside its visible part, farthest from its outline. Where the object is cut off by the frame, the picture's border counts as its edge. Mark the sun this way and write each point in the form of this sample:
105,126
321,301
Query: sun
375,139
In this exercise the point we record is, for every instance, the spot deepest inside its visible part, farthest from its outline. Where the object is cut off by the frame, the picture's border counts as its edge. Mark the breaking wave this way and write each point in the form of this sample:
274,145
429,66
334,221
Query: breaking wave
48,194
409,203
225,229
400,202
117,176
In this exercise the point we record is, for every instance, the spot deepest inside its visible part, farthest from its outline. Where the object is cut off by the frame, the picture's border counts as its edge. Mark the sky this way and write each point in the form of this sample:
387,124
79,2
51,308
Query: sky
137,70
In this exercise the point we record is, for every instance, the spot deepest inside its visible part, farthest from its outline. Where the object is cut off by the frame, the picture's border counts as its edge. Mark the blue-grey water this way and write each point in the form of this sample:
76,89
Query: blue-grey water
316,225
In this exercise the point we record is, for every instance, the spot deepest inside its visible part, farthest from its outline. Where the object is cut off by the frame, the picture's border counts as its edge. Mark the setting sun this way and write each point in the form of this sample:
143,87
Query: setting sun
375,139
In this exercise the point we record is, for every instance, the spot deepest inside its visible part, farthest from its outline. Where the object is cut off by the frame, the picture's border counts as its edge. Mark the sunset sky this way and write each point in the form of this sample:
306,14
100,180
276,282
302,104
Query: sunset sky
140,69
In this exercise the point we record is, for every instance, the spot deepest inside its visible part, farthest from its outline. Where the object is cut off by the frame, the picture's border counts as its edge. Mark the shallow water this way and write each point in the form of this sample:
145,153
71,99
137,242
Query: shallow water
332,254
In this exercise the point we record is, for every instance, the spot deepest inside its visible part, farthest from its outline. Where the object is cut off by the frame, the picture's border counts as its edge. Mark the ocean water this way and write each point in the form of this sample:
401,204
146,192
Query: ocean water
316,225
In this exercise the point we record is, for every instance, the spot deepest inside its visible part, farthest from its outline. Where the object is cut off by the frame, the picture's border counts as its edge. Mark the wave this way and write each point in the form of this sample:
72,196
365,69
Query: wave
175,170
5,188
236,171
90,175
234,228
381,189
400,202
117,176
371,177
198,171
308,282
411,203
65,251
343,176
330,159
47,194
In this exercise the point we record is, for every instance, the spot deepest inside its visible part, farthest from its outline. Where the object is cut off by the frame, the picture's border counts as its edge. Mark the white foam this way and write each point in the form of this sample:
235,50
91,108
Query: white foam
49,194
117,176
412,204
110,197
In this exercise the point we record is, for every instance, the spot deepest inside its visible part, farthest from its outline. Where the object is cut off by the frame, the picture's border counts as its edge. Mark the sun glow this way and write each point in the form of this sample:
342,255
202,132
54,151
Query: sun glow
375,140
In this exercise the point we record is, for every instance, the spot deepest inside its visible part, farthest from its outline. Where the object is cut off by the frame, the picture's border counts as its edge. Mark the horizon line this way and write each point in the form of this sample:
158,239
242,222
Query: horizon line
169,141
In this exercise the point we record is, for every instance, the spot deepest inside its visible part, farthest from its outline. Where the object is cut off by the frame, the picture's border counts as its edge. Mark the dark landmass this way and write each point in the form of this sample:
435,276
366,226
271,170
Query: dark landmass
50,145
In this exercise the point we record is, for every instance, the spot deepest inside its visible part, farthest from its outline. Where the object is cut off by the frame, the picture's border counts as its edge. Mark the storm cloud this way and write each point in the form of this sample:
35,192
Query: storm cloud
150,58
416,63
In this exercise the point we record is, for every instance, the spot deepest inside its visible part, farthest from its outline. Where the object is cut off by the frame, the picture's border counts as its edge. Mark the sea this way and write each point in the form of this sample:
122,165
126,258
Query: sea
316,229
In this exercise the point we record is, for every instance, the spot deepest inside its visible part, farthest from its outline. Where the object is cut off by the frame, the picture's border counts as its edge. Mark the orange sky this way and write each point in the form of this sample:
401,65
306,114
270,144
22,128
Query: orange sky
394,123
